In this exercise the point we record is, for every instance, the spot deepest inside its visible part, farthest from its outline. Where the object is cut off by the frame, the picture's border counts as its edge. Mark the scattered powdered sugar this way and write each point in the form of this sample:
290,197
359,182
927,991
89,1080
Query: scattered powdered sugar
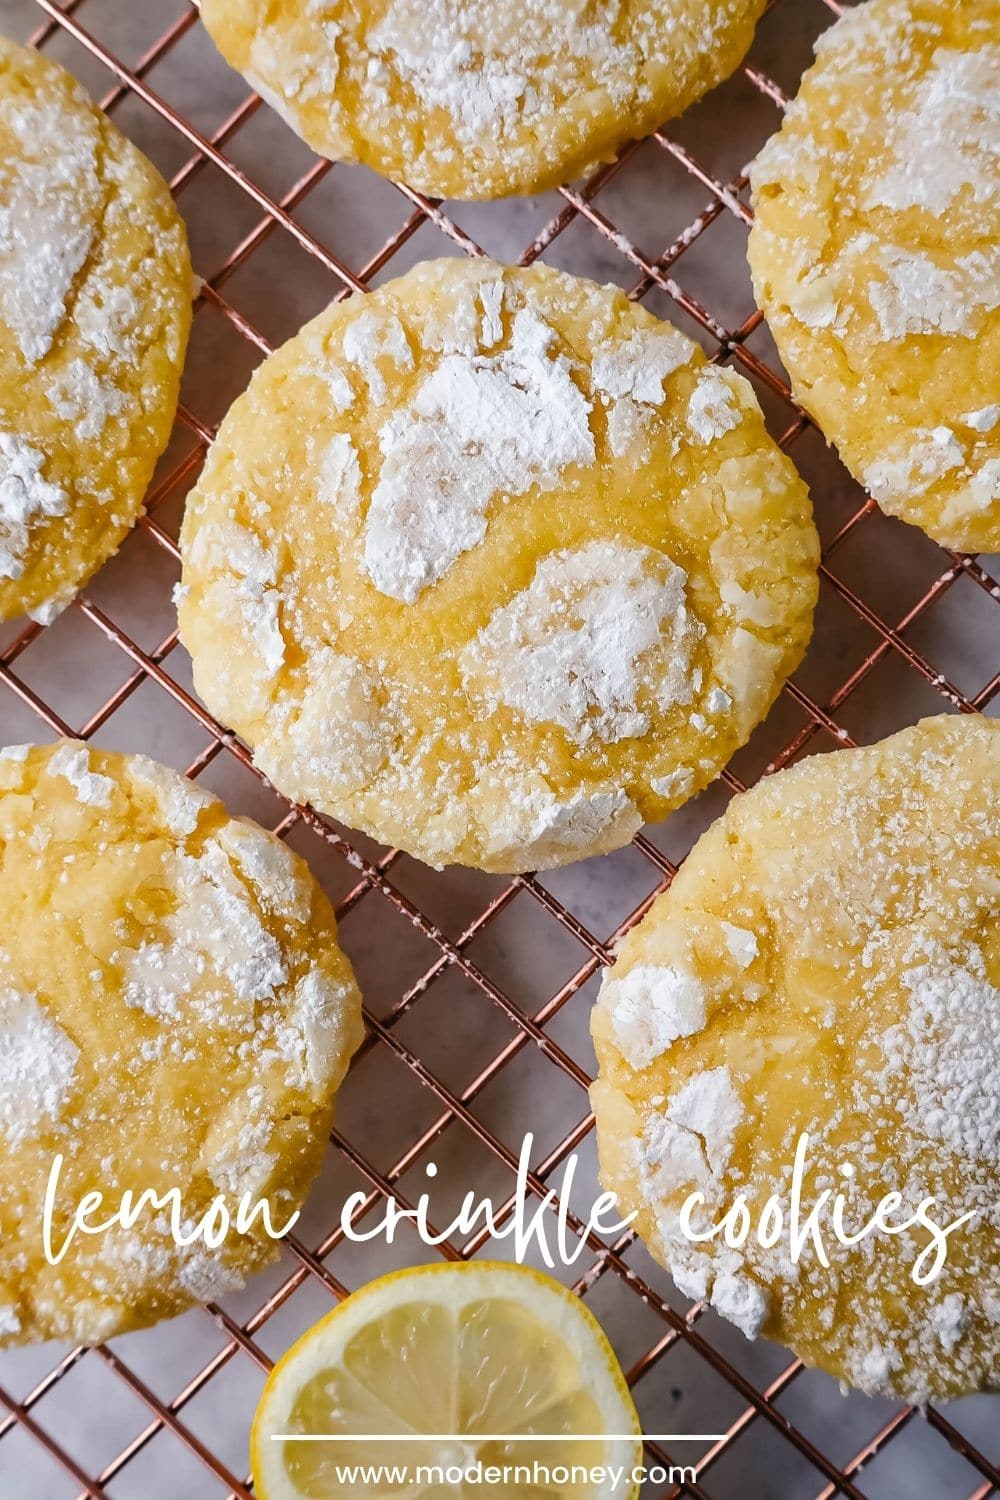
638,365
314,1039
691,1142
152,1259
710,1108
950,1320
106,316
50,609
692,1280
450,69
757,608
280,882
984,486
745,665
626,423
491,295
485,82
957,106
77,394
947,1050
214,934
540,826
651,1008
672,1159
371,337
25,498
334,742
339,392
302,77
595,626
50,198
713,409
919,296
742,944
340,474
250,578
674,784
740,1301
912,466
875,1368
456,324
477,426
983,420
241,1161
73,763
37,1067
181,801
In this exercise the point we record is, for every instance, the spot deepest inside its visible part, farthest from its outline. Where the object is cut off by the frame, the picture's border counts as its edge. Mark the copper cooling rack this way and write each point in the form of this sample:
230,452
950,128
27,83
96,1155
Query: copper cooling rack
904,628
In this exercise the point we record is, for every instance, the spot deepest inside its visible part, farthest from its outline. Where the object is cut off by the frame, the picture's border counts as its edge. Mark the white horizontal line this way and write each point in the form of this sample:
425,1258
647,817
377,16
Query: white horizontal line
497,1437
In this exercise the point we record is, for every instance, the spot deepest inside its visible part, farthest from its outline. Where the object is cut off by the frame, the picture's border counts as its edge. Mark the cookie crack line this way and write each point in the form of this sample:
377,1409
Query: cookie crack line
860,1027
202,969
581,680
459,103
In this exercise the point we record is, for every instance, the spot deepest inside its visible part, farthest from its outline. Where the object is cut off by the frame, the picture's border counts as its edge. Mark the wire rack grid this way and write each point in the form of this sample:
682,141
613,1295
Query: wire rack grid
906,628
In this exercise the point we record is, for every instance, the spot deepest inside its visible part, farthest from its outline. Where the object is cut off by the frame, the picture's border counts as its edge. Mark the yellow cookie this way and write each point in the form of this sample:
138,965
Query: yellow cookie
493,565
95,307
876,257
175,1014
827,962
469,99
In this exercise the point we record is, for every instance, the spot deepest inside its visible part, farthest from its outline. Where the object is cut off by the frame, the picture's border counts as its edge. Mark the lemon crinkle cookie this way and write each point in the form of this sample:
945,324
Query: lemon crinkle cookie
467,99
494,565
174,1013
95,307
827,961
876,257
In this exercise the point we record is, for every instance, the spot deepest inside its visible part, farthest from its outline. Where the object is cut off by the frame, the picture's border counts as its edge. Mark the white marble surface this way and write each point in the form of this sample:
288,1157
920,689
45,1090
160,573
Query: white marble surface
453,1028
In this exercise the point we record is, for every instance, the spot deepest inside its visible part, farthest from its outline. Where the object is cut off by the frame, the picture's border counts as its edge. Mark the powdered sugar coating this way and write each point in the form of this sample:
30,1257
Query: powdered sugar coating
461,99
72,763
479,426
741,1301
37,1068
651,1007
26,497
840,925
876,256
95,306
599,632
50,199
174,1012
452,610
949,1043
713,409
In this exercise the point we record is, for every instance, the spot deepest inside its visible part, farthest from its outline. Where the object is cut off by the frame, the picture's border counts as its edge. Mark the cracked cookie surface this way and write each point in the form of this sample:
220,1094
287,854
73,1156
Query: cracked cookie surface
95,308
175,1013
495,566
468,99
875,256
826,961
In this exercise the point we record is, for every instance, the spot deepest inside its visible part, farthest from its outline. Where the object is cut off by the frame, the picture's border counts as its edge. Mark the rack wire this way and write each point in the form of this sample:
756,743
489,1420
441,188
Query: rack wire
889,597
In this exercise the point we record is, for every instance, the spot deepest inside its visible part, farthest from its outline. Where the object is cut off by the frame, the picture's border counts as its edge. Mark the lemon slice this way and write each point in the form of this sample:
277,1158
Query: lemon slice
441,1372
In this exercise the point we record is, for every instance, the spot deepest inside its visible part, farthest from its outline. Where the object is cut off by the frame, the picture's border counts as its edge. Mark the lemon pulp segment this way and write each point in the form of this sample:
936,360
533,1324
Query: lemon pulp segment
440,1369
